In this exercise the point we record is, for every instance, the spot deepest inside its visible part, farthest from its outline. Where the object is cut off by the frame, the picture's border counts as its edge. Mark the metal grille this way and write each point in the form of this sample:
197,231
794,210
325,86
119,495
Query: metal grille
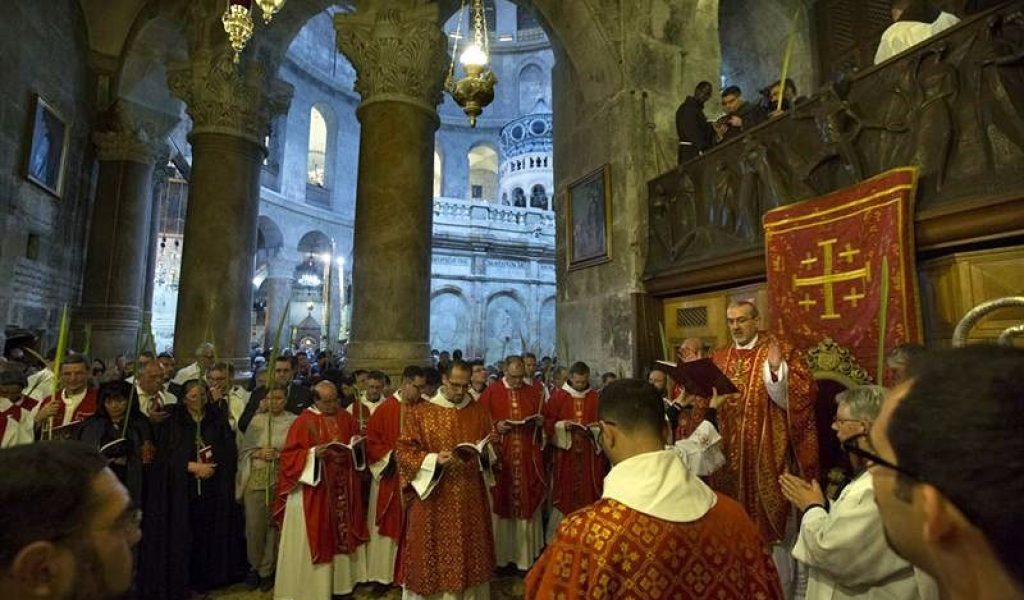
695,316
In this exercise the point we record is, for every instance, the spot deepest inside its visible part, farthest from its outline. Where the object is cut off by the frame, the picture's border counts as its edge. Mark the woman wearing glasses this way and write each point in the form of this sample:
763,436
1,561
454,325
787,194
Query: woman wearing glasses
843,544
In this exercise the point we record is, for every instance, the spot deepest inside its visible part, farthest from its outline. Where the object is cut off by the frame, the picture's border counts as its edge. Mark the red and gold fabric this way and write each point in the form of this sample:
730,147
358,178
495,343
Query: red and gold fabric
382,433
758,435
335,517
577,473
609,550
520,486
842,266
447,545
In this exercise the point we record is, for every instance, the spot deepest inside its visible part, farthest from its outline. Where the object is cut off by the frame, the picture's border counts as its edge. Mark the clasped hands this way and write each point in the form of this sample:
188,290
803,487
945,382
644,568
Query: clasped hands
801,493
202,470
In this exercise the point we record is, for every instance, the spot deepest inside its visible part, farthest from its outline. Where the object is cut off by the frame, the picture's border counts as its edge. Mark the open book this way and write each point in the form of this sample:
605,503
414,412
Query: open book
357,446
527,421
63,432
115,449
700,377
479,449
205,455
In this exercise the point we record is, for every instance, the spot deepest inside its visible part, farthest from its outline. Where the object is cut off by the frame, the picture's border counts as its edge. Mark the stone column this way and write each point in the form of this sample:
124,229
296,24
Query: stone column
399,54
278,292
231,107
113,285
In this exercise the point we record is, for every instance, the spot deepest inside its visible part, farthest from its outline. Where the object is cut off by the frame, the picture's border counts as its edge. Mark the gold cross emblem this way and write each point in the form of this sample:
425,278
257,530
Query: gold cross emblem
829,277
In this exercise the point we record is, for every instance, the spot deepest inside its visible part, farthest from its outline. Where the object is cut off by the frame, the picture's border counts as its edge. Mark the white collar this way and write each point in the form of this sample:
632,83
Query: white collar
397,396
440,400
573,392
658,484
749,345
73,398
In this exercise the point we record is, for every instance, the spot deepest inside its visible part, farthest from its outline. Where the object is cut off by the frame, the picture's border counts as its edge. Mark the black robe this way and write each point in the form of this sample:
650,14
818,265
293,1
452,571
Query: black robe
196,538
98,431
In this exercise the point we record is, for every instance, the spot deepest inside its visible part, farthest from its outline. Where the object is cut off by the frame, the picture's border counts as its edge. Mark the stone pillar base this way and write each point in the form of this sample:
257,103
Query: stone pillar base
115,330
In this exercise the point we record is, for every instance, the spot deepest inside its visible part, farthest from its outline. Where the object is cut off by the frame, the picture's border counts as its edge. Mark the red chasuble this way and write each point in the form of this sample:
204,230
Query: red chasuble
382,432
85,409
520,487
609,550
448,545
757,434
335,518
577,473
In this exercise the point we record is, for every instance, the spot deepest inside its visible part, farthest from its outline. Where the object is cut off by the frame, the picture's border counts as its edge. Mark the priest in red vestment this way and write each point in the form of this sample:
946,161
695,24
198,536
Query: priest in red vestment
447,549
71,404
320,504
771,419
658,532
519,491
578,465
386,514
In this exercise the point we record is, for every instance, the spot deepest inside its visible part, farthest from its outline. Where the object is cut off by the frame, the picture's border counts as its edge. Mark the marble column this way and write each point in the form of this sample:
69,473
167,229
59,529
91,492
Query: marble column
231,107
399,54
113,285
160,174
277,289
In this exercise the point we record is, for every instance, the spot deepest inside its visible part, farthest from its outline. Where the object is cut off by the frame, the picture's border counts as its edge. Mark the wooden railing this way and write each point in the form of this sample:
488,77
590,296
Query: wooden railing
953,106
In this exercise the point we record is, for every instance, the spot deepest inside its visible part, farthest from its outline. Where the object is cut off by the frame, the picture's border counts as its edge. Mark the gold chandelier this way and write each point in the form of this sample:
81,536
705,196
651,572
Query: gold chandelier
238,23
476,89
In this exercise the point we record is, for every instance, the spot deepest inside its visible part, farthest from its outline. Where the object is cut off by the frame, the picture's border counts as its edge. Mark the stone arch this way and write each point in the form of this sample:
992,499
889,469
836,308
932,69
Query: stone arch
449,329
539,196
483,171
545,343
753,36
314,241
505,325
531,85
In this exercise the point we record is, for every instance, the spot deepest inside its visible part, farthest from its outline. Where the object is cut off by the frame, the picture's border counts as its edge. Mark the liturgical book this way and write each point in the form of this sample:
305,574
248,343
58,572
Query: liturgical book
700,377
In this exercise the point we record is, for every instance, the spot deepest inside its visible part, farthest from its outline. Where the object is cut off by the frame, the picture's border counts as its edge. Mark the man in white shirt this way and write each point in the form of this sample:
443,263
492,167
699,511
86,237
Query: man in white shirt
152,398
844,545
204,360
914,22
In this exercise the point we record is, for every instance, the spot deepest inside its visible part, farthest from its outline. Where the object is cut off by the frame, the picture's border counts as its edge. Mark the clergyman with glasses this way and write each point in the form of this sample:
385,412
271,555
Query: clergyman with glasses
843,544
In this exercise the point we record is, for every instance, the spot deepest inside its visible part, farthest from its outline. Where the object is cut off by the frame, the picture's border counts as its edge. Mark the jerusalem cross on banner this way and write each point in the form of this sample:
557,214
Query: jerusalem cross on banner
842,266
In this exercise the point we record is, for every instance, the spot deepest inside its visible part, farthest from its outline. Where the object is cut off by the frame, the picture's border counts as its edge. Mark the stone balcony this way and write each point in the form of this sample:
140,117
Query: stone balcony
477,221
953,106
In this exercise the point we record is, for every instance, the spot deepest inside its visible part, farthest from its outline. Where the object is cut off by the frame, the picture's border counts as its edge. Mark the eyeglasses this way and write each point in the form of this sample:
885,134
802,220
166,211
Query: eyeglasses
851,446
738,320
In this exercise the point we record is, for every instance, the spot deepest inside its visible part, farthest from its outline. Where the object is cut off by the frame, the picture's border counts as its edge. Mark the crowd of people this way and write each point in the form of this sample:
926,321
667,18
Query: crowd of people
318,481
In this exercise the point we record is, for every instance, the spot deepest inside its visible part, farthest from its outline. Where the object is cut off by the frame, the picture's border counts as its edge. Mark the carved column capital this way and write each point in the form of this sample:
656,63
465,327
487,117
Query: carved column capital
399,54
134,145
222,97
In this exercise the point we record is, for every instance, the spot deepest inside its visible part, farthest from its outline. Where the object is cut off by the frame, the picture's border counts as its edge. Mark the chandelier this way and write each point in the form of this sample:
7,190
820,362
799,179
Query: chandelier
476,88
238,23
307,274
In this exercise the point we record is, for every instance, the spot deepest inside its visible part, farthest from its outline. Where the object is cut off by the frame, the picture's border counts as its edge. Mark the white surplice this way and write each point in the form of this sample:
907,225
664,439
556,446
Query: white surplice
297,577
847,553
902,35
381,550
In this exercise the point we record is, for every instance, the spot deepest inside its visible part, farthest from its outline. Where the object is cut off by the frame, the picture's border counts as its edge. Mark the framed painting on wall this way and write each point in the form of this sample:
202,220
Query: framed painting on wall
588,219
47,155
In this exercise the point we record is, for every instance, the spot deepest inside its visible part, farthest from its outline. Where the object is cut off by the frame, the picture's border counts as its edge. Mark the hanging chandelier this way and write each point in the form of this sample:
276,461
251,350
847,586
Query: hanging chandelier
476,88
238,22
307,274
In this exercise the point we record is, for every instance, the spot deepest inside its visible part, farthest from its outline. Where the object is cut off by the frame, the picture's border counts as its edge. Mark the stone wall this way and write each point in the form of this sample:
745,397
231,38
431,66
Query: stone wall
42,252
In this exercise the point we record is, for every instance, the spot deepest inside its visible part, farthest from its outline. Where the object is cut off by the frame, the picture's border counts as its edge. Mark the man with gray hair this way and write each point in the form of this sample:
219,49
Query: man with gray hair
197,370
844,545
902,360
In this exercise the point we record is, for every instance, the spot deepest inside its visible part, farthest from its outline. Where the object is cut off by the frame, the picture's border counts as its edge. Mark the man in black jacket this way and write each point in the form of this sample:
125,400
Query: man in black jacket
695,133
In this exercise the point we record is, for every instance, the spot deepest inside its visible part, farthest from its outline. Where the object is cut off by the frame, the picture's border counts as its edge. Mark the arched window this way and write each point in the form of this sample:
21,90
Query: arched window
519,197
538,197
437,173
317,162
531,88
483,173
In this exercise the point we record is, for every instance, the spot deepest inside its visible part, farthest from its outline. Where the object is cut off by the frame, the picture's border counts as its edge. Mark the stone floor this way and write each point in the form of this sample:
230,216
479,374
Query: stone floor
502,588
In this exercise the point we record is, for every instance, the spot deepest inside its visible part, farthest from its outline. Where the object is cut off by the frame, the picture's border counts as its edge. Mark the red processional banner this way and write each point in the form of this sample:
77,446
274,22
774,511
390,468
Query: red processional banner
842,267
